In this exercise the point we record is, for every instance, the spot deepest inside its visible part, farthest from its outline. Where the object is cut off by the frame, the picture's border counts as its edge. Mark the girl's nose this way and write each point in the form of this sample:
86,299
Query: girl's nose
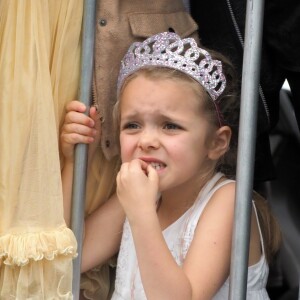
148,140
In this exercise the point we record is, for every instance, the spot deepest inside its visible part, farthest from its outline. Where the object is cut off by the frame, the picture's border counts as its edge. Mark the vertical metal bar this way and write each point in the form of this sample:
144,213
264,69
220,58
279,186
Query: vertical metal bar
246,149
80,166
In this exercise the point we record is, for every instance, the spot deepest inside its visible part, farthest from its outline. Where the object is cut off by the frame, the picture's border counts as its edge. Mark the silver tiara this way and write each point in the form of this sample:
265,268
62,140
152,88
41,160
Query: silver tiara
167,49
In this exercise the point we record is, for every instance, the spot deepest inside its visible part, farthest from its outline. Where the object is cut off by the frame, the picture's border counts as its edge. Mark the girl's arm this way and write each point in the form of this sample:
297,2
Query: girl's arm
77,128
162,278
207,263
103,231
103,228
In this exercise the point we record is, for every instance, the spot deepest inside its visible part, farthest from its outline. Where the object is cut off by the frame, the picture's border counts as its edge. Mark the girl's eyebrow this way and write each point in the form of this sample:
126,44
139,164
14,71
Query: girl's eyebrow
166,115
159,115
129,115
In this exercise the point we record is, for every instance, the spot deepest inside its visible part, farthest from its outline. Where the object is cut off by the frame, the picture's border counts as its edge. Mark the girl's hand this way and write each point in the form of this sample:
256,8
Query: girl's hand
137,189
79,128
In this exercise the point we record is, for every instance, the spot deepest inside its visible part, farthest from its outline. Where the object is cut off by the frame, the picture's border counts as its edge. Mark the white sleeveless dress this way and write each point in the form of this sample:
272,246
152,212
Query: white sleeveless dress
178,236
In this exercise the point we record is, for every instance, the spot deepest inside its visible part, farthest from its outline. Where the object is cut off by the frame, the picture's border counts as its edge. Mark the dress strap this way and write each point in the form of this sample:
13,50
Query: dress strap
210,184
210,188
204,197
193,214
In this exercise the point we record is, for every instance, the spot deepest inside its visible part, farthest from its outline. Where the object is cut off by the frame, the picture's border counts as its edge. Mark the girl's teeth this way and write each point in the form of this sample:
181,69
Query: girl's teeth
157,166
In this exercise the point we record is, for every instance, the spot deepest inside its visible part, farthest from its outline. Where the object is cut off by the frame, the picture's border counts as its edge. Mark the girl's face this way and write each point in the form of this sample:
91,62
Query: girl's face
163,125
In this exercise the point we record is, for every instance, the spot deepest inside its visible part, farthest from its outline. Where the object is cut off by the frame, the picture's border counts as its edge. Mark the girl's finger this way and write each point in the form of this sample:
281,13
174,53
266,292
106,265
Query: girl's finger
75,138
143,164
75,106
94,114
79,118
152,174
79,129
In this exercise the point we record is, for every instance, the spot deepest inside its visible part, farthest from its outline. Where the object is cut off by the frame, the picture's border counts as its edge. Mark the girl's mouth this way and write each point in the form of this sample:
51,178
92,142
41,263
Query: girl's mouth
157,166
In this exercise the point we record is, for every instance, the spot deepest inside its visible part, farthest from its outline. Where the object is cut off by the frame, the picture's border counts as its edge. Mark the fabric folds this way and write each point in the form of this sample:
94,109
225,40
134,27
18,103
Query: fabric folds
19,249
40,48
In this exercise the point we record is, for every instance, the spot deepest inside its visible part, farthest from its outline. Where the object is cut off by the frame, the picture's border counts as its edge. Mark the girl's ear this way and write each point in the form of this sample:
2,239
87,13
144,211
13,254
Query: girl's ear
220,143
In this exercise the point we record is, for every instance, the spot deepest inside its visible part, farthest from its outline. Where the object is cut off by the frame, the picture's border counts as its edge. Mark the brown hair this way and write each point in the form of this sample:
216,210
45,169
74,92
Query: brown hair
269,226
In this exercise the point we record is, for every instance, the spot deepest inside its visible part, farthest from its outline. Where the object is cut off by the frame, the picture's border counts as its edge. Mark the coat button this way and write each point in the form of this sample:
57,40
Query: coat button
102,22
107,143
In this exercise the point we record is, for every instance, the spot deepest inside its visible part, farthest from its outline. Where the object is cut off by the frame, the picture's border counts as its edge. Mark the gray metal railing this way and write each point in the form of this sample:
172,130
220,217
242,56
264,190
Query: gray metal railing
80,166
246,149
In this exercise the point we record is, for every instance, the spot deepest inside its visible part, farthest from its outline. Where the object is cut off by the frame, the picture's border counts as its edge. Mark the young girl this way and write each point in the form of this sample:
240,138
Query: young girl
172,216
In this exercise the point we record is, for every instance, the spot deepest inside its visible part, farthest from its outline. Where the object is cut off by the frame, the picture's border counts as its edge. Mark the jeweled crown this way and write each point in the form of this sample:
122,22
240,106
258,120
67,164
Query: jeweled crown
167,49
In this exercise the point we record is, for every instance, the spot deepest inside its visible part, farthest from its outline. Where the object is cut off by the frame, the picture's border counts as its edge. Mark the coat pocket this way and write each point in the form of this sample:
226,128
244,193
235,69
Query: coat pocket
144,25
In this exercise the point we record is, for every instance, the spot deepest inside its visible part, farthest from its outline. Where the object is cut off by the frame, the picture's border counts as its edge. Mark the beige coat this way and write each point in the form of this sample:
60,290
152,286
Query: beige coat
119,23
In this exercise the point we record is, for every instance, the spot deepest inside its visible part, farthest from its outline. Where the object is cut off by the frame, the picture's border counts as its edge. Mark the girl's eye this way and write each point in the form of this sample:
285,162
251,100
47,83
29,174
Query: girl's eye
171,126
130,126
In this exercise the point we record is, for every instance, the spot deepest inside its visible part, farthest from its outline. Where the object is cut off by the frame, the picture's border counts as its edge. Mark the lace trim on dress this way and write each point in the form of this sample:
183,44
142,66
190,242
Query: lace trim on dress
19,249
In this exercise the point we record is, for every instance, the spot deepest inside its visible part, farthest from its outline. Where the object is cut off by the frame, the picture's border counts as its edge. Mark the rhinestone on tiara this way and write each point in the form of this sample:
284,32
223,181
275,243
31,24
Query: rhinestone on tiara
167,49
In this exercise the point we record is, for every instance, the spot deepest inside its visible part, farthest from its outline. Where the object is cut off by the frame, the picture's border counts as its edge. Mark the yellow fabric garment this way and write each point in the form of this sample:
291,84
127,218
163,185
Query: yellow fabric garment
39,72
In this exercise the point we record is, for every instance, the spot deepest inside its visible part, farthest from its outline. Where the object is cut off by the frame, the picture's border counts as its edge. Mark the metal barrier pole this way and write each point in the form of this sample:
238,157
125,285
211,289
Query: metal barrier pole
246,149
80,166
